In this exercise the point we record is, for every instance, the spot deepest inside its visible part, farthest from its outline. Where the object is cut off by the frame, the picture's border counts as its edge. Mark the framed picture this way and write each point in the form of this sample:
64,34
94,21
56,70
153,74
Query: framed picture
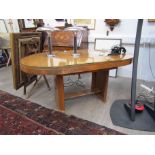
105,45
23,44
89,23
60,20
59,23
29,23
151,20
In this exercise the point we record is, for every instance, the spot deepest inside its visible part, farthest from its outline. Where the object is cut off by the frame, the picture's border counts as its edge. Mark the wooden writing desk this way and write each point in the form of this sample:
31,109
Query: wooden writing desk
64,64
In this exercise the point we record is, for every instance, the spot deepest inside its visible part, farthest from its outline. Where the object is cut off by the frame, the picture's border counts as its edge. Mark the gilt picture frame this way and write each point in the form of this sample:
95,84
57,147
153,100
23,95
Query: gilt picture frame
27,25
89,23
151,20
22,44
105,45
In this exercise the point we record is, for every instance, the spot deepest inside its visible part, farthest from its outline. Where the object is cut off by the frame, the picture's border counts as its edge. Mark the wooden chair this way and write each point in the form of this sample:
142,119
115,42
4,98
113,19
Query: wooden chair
63,40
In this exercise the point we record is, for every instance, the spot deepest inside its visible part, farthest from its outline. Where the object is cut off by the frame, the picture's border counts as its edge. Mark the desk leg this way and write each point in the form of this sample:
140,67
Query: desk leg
100,82
59,86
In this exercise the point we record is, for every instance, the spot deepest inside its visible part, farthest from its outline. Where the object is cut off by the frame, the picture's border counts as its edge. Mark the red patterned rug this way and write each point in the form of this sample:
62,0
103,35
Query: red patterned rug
19,116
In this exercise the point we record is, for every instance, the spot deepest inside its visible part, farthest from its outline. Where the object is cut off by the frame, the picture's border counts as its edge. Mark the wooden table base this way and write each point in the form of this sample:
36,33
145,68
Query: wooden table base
99,86
100,82
65,64
59,86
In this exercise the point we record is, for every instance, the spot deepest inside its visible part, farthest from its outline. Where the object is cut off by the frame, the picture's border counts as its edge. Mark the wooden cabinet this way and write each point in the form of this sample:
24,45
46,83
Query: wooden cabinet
64,39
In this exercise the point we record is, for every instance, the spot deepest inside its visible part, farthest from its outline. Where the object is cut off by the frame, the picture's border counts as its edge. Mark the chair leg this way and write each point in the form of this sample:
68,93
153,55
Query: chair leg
24,91
46,81
79,76
30,92
36,82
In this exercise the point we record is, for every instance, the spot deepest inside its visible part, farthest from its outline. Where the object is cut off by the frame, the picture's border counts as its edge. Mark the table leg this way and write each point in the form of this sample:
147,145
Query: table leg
59,86
100,82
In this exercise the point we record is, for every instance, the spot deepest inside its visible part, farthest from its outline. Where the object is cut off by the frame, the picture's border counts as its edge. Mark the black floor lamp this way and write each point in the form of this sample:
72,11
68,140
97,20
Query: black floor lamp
120,115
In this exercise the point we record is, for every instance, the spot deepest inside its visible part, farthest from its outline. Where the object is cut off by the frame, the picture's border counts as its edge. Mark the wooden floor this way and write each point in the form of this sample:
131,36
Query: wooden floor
88,107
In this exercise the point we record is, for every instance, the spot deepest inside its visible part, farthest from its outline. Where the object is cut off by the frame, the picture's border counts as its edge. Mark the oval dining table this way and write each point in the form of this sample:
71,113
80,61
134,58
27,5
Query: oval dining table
98,63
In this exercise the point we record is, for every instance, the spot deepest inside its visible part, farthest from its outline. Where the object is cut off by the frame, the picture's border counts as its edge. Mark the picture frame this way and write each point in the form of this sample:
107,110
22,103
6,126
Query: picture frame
20,48
89,23
105,45
27,25
60,23
151,20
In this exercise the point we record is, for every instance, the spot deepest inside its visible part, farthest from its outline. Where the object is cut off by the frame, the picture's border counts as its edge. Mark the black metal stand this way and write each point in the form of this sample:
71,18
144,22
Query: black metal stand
134,70
120,117
125,116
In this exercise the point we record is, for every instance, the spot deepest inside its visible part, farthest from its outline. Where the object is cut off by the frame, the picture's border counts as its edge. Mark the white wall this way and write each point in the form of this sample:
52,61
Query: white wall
126,30
144,71
15,26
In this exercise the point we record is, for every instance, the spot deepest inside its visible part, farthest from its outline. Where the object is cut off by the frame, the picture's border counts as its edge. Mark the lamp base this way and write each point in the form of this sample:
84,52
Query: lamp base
76,55
121,117
50,55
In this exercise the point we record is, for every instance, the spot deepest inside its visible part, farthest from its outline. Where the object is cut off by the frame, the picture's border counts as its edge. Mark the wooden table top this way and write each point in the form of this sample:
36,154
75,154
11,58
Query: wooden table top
64,63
